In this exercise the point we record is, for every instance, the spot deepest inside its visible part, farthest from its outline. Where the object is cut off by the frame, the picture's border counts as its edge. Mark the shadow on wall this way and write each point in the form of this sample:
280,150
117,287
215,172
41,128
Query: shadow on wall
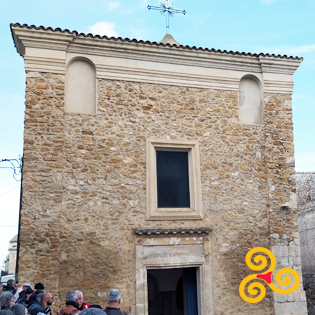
92,268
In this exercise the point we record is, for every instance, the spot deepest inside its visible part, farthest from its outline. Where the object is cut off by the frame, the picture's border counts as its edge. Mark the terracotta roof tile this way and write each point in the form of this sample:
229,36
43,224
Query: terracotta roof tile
152,43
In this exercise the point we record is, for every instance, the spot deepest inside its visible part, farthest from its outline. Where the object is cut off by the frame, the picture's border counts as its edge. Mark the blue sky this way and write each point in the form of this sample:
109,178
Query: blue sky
269,26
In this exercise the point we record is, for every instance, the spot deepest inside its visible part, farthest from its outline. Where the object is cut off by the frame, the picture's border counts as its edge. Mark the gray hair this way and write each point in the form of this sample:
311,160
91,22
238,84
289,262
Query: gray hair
114,296
39,297
93,311
78,291
5,300
18,309
71,296
42,296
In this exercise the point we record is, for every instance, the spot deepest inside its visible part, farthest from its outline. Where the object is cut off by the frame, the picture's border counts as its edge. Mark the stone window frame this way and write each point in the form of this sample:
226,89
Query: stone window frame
195,210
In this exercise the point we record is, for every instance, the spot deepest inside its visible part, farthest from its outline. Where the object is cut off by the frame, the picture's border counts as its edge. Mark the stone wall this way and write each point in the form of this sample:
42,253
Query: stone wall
84,187
306,207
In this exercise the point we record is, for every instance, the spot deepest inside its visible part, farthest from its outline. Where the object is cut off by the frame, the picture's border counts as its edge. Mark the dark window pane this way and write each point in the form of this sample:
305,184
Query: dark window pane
172,179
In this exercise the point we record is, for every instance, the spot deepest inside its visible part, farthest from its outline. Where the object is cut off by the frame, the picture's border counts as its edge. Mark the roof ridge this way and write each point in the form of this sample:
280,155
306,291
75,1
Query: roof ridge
58,29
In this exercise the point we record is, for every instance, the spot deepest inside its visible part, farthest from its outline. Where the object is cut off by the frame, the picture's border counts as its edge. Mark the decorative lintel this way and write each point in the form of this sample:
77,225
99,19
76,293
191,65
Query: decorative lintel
158,231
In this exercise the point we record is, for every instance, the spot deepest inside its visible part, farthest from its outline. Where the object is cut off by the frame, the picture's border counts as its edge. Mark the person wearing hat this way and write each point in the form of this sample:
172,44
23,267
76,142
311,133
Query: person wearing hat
25,294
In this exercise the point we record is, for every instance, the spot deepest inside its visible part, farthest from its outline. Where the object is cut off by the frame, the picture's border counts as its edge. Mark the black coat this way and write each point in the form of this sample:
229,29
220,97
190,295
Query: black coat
33,297
37,307
22,299
114,311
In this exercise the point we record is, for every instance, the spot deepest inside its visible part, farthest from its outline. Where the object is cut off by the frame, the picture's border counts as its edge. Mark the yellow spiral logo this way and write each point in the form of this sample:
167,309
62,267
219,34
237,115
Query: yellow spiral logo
261,263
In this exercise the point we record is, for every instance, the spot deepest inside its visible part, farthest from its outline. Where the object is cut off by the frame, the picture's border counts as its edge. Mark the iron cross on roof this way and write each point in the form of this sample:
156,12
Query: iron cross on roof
168,10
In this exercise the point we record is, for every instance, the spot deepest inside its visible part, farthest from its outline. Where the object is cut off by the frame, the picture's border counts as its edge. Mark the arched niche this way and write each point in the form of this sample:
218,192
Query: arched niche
250,101
80,93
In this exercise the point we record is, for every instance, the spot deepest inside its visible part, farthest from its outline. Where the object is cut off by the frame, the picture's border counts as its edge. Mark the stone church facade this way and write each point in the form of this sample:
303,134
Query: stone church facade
98,208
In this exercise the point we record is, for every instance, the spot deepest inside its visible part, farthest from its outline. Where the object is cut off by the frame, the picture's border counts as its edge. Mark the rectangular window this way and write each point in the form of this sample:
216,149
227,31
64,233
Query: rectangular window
173,180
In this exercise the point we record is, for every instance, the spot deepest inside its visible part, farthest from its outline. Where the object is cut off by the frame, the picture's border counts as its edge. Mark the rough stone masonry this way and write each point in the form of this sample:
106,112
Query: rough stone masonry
306,206
84,175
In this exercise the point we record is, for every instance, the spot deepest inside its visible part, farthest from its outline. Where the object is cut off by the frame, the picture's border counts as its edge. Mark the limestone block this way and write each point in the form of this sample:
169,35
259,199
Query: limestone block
290,308
194,250
140,309
281,298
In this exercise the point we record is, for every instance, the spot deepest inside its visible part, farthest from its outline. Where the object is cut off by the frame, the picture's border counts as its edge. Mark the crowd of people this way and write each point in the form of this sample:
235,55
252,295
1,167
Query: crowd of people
27,301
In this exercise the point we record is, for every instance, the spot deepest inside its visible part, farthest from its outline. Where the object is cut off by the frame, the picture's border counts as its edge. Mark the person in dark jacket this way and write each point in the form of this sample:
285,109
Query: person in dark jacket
25,294
42,304
114,300
10,286
6,312
39,287
93,311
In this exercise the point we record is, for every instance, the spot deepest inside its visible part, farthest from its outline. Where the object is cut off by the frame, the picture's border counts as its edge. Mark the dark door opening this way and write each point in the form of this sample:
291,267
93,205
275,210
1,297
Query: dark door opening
173,291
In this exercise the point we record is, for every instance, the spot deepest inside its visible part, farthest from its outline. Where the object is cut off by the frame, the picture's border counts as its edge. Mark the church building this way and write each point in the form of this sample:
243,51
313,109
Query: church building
153,168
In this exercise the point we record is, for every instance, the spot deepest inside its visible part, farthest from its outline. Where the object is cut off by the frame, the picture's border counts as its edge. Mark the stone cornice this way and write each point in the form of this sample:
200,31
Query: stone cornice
47,50
278,66
47,39
161,43
160,231
166,55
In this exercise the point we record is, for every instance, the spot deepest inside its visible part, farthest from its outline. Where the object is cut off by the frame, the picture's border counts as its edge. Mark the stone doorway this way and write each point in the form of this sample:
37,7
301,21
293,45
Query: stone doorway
173,291
160,251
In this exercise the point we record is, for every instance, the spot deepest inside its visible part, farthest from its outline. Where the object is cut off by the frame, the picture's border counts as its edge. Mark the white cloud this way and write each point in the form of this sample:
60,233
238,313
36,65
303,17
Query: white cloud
113,5
103,28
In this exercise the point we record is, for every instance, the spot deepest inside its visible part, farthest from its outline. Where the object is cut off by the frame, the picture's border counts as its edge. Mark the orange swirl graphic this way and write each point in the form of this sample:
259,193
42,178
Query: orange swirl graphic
261,263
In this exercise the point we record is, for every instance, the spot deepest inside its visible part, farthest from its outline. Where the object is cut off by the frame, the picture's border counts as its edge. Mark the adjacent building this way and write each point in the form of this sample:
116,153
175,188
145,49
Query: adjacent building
10,262
305,183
